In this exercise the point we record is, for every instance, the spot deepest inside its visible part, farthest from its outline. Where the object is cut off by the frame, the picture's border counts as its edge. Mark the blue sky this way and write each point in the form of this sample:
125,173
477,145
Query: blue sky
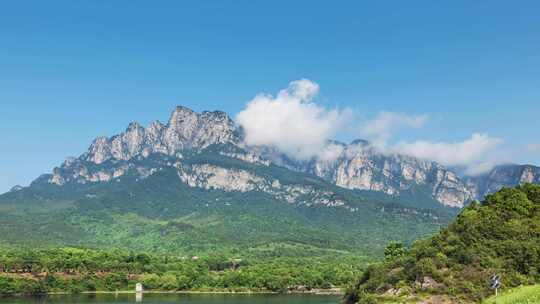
73,70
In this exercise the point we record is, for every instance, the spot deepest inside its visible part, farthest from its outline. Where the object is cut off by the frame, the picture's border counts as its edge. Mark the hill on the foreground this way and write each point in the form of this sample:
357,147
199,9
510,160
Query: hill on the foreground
501,236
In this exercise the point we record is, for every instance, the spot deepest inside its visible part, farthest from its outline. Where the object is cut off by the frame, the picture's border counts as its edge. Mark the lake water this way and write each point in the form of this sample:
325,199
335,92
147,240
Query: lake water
178,298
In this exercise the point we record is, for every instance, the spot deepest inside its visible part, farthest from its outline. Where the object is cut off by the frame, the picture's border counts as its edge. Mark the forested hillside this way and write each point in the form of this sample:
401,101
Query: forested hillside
161,214
501,236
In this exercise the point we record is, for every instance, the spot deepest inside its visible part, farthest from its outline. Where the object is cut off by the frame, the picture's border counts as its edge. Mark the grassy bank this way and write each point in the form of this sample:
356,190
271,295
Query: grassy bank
520,295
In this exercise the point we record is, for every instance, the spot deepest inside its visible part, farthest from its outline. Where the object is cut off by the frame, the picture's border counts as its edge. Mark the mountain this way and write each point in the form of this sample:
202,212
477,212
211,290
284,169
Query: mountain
192,184
359,166
356,166
202,201
185,130
499,236
502,176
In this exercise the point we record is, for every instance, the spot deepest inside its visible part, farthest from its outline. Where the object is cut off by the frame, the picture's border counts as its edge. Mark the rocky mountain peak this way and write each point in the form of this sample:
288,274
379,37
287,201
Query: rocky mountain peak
155,127
186,129
99,150
182,116
358,165
361,166
216,115
16,188
182,109
360,142
133,126
508,175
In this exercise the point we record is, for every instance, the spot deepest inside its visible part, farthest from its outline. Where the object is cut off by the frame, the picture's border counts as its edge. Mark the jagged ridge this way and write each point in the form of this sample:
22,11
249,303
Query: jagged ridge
353,166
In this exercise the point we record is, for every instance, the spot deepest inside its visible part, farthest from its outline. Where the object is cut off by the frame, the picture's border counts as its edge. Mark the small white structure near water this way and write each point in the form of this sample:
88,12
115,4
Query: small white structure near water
138,287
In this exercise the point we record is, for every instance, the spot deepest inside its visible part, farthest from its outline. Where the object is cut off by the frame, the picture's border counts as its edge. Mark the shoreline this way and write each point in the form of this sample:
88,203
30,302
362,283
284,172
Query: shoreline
321,292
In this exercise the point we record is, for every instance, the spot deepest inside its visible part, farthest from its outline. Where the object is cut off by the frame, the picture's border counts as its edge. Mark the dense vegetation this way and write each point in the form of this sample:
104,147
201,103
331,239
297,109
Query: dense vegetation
161,214
500,235
77,270
281,245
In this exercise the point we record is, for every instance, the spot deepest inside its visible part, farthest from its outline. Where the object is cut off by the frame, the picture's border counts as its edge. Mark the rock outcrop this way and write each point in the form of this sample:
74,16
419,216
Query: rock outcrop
185,130
502,176
357,165
360,166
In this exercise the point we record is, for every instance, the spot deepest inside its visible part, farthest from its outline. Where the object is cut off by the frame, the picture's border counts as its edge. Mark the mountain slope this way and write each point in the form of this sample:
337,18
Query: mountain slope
356,166
502,176
192,184
500,236
360,166
231,204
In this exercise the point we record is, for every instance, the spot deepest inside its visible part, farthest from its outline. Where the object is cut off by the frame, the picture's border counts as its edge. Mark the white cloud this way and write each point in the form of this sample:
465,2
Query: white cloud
330,152
471,153
380,129
475,154
479,168
291,121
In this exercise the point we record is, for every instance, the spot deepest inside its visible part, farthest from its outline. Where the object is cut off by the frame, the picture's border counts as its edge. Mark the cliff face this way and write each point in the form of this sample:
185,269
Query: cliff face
360,166
185,129
502,176
353,166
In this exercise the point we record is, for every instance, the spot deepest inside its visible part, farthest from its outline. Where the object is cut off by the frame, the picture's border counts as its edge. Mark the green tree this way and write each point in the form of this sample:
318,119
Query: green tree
394,250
